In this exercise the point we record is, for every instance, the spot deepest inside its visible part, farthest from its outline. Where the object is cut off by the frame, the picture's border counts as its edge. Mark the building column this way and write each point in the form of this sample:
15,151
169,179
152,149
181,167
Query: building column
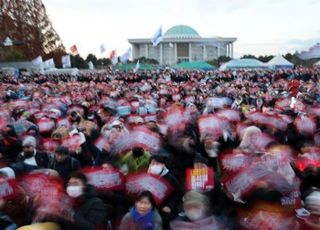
231,50
175,53
161,54
146,51
190,52
227,50
205,57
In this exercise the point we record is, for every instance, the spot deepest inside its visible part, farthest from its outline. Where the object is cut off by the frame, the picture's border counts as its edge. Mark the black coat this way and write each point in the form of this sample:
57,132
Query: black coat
91,213
42,160
66,167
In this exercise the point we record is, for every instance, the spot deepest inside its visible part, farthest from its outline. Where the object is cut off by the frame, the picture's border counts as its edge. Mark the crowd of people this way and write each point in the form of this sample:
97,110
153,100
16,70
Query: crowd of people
169,149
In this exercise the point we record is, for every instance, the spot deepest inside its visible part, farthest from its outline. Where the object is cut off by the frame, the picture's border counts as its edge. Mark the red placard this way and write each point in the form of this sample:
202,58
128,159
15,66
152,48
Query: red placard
9,189
50,145
159,187
48,196
105,179
200,179
45,125
138,137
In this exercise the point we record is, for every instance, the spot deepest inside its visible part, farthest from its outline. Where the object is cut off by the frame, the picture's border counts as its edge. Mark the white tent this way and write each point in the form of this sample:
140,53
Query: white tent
245,63
279,62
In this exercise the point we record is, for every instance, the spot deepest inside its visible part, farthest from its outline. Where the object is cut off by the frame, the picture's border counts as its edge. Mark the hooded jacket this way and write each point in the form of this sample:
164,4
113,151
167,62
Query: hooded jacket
91,213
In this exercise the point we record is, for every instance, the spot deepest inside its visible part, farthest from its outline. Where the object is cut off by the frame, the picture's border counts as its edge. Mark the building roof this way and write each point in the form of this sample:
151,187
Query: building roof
181,31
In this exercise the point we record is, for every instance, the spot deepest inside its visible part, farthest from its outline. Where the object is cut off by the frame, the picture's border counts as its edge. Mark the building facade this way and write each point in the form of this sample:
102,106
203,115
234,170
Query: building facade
182,43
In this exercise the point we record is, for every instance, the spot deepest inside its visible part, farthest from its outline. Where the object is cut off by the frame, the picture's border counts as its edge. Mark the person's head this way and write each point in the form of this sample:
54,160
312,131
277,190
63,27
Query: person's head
61,154
249,134
157,164
144,203
137,152
76,185
28,146
312,202
211,146
75,117
263,193
195,205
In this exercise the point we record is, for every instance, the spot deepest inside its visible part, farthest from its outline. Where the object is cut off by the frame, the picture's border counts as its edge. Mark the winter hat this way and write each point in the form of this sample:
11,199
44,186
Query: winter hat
7,172
29,141
193,197
313,199
62,150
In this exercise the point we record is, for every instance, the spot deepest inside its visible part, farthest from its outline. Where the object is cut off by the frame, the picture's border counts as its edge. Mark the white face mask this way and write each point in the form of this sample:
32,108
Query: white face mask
194,214
74,191
155,169
212,152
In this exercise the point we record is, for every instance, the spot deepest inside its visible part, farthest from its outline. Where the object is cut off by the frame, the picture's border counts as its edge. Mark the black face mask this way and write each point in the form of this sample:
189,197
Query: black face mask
28,153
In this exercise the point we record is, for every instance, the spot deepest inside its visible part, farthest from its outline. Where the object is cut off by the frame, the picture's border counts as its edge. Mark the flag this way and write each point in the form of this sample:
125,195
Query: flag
66,62
74,49
48,64
90,65
137,66
125,57
157,37
113,57
102,49
38,61
170,45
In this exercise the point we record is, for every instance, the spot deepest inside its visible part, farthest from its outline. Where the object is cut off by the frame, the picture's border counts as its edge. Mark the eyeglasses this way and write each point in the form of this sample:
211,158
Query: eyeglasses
27,147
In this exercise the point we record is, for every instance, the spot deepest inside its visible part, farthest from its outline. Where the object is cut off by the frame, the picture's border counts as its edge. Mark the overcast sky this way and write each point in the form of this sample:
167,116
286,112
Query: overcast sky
262,27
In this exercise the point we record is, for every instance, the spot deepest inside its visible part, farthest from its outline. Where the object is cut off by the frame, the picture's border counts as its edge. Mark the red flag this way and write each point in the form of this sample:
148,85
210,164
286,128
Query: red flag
112,54
74,49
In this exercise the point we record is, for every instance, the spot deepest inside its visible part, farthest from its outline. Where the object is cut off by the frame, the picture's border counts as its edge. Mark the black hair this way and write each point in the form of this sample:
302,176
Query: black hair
62,150
147,194
137,151
79,176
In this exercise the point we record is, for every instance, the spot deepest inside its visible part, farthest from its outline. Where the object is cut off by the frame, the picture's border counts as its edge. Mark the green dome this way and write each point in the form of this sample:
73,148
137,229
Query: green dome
181,31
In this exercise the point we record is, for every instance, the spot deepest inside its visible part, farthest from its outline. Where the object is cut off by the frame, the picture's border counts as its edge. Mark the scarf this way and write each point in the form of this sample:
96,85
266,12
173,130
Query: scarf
146,221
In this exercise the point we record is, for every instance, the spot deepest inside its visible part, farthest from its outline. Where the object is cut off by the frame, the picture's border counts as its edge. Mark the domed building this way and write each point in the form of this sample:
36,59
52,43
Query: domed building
182,43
